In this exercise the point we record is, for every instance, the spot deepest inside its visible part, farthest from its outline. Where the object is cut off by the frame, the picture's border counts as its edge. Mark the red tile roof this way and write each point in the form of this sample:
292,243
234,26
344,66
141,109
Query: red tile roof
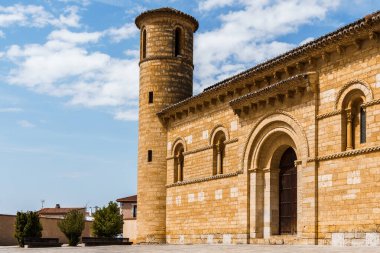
129,199
57,211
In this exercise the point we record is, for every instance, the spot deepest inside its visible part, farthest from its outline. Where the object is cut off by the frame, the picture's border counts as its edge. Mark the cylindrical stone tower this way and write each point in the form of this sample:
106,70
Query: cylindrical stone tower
166,77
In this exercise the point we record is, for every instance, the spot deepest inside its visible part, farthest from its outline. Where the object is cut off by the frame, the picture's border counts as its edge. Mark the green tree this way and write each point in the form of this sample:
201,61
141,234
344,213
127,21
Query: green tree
108,222
27,225
72,226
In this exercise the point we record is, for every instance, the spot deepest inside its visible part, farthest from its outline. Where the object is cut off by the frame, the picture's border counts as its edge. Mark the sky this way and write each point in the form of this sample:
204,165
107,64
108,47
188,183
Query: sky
69,83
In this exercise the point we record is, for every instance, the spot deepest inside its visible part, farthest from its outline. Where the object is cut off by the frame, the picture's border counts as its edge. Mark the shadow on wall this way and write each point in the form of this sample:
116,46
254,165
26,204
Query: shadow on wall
50,229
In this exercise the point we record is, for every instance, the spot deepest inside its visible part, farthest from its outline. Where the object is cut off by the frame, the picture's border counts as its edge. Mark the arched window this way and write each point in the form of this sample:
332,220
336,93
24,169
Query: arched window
177,42
143,45
179,162
219,153
354,120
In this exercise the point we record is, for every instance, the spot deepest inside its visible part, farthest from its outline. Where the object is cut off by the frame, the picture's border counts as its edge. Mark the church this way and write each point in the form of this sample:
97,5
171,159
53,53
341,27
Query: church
286,152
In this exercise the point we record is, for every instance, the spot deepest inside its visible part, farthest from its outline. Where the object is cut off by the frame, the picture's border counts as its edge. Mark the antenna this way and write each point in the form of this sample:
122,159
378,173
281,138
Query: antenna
42,203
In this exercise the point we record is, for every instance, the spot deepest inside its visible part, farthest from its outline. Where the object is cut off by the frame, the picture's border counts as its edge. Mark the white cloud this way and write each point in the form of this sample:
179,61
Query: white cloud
125,32
307,40
63,67
37,16
2,34
249,34
127,115
74,38
26,124
212,4
11,109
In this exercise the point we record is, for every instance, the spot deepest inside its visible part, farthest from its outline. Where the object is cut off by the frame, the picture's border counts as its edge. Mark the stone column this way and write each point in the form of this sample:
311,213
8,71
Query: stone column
256,203
349,129
267,204
218,158
179,179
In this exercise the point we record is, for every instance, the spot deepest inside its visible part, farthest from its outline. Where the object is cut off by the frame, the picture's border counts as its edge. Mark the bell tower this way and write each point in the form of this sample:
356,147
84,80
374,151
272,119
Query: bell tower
166,78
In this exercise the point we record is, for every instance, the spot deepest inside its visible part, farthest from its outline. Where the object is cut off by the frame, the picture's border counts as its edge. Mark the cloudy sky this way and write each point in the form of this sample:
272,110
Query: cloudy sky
69,83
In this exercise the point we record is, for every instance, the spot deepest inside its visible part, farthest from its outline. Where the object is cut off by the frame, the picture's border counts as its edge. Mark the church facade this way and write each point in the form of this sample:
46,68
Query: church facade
287,152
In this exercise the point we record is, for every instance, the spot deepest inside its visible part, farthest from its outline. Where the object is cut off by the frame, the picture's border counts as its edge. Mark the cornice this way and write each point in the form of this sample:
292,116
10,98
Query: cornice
205,179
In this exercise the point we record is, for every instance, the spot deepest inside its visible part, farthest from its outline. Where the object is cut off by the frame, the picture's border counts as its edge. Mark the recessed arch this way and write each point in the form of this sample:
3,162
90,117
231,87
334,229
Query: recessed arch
277,122
349,88
178,141
215,131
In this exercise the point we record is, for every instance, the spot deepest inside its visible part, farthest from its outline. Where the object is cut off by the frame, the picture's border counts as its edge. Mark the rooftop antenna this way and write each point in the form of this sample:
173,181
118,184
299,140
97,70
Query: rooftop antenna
42,203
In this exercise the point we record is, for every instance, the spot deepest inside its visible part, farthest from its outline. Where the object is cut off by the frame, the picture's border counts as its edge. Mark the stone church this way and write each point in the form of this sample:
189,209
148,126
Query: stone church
287,152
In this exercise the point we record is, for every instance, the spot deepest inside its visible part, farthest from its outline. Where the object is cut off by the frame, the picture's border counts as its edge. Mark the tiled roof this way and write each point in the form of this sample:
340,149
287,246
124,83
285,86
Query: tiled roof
129,199
59,210
347,31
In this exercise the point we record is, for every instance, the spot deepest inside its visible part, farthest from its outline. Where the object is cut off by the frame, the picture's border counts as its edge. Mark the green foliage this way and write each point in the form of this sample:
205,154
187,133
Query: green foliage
108,221
27,225
72,226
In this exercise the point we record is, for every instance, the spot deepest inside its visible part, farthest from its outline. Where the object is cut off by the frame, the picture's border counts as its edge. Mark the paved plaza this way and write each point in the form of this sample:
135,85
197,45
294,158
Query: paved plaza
198,249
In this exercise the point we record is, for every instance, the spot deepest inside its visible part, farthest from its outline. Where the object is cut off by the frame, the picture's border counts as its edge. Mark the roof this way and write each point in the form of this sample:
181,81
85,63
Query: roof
167,10
56,211
129,199
344,33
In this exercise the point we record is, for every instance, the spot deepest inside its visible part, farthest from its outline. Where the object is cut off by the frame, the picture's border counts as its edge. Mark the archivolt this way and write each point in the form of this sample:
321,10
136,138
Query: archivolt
279,121
353,85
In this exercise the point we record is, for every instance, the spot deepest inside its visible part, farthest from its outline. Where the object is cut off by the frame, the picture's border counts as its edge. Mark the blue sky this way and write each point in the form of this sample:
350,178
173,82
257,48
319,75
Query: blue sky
69,83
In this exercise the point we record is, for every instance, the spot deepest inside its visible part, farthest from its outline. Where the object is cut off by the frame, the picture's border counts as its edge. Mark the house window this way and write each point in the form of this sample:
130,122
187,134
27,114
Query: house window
219,153
134,211
143,44
150,97
150,156
179,162
177,42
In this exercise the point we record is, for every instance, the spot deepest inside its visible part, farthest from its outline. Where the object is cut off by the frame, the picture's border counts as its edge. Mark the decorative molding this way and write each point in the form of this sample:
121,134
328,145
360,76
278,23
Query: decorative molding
329,114
370,103
231,141
205,179
337,112
203,148
175,58
353,152
197,150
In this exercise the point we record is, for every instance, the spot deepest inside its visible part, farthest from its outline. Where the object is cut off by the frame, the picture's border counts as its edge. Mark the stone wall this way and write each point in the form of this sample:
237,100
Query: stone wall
338,190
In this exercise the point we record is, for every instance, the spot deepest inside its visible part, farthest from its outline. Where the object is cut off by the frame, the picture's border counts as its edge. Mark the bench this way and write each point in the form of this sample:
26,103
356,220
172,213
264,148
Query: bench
98,241
35,242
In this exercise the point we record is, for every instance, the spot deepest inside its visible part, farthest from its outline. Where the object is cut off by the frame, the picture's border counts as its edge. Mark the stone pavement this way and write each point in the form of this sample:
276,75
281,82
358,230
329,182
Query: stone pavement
198,249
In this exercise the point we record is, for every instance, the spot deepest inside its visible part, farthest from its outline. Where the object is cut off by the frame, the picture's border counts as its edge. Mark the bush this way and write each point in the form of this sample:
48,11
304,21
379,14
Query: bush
108,222
72,226
27,225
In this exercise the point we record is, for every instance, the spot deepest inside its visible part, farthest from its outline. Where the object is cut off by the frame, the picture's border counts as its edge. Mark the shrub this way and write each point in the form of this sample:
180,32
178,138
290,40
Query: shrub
108,222
27,225
72,226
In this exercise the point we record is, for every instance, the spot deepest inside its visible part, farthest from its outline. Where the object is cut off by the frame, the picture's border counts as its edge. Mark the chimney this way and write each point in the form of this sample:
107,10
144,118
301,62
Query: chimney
57,206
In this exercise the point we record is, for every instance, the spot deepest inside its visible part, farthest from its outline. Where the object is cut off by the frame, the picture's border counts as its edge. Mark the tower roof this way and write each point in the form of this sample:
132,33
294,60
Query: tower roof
166,11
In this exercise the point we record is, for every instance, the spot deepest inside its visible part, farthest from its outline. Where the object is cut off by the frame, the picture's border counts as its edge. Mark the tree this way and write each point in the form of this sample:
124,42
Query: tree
27,225
108,222
72,226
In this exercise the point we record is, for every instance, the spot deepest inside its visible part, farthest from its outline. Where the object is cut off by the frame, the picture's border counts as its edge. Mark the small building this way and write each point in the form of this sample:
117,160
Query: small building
128,207
59,213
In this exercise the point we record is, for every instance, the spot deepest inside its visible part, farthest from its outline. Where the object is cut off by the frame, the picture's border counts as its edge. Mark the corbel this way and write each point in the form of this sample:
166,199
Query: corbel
246,109
373,35
222,97
340,49
358,44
